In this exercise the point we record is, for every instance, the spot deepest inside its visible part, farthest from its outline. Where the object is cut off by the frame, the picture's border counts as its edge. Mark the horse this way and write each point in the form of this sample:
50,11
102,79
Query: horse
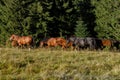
69,44
90,43
82,43
14,44
22,40
51,42
98,44
76,42
79,43
116,44
55,41
61,42
14,37
106,43
43,42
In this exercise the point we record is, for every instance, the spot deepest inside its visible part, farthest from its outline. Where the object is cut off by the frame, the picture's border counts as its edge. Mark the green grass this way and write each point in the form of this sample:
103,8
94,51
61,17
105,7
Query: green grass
46,64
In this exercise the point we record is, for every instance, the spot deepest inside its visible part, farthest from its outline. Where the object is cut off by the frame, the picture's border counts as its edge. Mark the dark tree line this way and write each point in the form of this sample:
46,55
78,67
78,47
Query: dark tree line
53,18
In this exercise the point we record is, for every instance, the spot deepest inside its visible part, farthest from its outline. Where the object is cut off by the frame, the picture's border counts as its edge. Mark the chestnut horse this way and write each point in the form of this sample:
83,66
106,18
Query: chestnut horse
106,43
14,44
22,40
53,42
61,42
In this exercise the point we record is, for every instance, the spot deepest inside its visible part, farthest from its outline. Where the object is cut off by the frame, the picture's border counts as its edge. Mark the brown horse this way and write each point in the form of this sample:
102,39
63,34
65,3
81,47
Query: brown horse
70,45
106,43
14,44
14,37
61,42
22,40
51,42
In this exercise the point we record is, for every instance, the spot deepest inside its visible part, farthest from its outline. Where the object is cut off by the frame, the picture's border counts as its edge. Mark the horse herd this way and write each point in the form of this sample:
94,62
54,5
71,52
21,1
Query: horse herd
72,42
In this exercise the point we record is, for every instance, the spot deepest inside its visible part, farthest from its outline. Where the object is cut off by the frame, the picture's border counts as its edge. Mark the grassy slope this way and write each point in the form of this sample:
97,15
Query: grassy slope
45,64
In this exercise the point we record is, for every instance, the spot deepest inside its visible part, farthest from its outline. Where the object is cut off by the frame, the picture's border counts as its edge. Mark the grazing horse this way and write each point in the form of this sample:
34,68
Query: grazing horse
58,41
51,42
90,43
69,44
14,44
106,43
79,43
98,44
22,40
116,44
76,42
61,42
82,43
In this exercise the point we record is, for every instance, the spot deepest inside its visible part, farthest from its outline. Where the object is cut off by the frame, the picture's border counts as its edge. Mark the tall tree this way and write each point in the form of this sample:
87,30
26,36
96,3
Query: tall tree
85,23
81,29
7,20
107,13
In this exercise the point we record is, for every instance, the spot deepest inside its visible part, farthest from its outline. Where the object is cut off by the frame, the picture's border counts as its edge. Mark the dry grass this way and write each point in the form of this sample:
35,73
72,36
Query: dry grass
47,64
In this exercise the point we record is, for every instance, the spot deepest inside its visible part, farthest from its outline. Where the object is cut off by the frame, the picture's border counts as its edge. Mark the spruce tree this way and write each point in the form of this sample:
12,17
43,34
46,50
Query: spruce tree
107,18
81,29
85,23
7,20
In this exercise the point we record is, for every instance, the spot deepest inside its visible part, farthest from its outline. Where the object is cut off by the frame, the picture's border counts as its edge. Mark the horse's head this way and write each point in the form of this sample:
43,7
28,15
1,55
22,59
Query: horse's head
13,37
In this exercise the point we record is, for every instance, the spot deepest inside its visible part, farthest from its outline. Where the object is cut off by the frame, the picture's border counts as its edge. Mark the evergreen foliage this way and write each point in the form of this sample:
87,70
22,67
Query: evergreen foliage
107,13
81,29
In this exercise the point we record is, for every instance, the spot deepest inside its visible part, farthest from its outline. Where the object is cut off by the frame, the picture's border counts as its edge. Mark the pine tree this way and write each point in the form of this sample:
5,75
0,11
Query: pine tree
86,18
81,29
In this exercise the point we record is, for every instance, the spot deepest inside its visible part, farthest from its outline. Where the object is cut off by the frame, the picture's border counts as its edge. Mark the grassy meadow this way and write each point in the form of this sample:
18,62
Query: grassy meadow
48,64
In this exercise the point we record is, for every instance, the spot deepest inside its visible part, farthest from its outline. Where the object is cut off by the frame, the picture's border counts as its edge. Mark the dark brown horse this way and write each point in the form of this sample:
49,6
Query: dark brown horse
22,40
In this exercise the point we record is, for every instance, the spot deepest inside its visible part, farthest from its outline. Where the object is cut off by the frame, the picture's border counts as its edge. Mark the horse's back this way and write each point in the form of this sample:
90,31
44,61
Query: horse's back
27,39
61,42
106,42
51,42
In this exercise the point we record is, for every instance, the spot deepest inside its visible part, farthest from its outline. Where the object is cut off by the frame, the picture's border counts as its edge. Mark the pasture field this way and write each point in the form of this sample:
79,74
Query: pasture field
47,64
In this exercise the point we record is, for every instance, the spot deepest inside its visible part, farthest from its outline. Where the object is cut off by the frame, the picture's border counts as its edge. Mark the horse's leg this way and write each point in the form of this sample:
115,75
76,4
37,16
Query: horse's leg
28,46
41,44
20,45
48,45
